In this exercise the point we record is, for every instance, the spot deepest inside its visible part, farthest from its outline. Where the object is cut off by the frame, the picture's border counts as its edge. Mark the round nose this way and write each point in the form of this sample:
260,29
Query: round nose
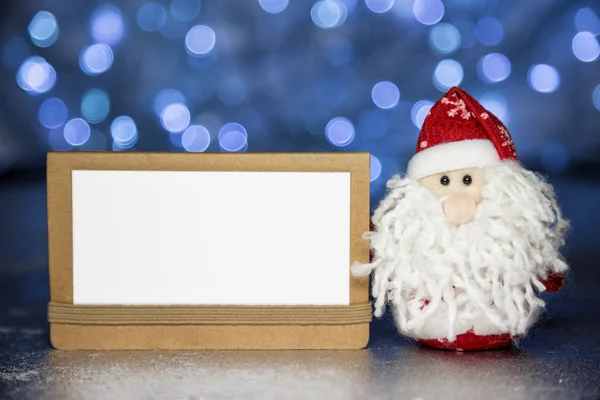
460,208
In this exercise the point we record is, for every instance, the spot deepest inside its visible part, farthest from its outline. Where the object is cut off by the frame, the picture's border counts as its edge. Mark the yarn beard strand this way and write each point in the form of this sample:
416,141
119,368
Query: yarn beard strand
441,280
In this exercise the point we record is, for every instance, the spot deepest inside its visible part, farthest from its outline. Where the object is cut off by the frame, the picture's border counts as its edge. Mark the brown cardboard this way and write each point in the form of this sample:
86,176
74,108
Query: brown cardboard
60,241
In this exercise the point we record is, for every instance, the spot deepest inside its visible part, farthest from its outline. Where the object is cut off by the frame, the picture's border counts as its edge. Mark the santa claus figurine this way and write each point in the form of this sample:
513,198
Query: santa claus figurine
464,243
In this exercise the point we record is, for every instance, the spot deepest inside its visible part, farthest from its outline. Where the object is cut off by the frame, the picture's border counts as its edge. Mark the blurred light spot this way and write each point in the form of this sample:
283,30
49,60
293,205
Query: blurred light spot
328,13
56,140
585,47
372,124
96,142
596,97
166,97
444,38
543,78
385,94
375,168
555,157
151,16
447,74
489,31
494,67
185,10
233,90
14,51
124,132
379,6
200,40
467,34
338,50
96,59
95,106
419,111
233,137
76,132
340,132
586,20
107,25
52,113
175,117
43,29
273,6
196,139
36,76
495,103
428,12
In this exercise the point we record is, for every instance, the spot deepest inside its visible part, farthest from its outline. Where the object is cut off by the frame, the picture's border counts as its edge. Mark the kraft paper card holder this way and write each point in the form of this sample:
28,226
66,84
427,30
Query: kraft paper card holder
207,251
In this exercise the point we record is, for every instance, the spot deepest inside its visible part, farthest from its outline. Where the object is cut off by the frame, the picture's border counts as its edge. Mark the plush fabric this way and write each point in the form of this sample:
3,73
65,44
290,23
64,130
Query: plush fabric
469,341
452,156
459,133
484,276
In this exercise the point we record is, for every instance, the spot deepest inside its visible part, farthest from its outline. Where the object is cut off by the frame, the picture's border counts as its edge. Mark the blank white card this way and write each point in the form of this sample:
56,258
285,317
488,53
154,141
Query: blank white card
230,238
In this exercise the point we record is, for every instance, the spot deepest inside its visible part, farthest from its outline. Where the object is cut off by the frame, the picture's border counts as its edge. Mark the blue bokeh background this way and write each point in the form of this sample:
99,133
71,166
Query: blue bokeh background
300,76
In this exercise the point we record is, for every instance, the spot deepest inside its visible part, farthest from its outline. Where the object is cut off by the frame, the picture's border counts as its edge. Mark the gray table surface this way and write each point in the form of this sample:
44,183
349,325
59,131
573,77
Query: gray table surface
559,359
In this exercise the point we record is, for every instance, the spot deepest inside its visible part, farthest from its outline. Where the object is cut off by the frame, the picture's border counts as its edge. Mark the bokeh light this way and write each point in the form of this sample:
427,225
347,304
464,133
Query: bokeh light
43,29
419,112
273,6
328,14
494,67
543,78
52,113
495,103
107,25
95,106
96,59
166,97
554,157
233,137
340,132
586,20
428,12
447,74
185,10
200,40
444,38
151,16
385,94
175,117
379,6
196,139
36,76
489,31
124,132
375,168
585,47
596,97
76,132
15,50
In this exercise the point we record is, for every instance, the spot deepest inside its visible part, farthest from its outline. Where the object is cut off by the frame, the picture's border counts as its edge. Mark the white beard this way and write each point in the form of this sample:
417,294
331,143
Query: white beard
483,275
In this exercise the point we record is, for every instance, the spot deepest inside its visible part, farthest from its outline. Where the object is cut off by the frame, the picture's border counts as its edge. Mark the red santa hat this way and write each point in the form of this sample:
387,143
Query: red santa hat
460,133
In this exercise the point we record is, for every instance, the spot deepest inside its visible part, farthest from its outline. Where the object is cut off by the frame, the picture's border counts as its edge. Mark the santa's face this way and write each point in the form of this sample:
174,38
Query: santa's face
460,191
465,250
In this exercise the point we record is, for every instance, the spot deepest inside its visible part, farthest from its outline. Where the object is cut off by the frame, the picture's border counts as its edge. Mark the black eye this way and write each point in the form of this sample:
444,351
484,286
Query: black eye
444,180
467,180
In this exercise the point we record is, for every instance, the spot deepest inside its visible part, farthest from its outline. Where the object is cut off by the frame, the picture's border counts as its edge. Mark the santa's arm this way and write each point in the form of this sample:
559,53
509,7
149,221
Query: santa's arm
554,281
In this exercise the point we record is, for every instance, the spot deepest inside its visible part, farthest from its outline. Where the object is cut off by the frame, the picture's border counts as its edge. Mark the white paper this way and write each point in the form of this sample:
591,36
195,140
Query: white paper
245,238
